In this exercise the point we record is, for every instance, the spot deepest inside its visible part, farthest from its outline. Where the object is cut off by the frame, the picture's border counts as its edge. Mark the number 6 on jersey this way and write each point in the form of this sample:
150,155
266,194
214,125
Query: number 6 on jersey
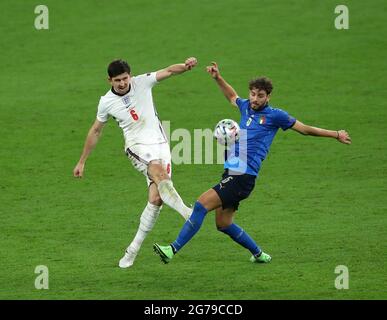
134,114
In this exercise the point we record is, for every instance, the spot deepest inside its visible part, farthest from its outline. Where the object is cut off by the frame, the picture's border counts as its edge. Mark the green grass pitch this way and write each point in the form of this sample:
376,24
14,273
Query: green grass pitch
317,203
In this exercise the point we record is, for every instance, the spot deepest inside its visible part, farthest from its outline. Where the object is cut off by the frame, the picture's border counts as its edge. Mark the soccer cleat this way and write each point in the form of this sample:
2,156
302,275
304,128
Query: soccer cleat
128,259
263,258
165,252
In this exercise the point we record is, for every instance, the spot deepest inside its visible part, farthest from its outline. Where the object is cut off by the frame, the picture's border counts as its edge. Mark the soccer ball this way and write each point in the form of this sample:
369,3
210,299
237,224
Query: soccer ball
226,132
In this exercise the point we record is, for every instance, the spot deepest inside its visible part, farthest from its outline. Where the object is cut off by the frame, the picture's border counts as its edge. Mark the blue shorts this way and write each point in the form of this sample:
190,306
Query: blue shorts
234,188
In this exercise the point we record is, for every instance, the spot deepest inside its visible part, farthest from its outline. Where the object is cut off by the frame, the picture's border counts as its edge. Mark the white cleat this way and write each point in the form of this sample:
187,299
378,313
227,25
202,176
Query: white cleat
127,260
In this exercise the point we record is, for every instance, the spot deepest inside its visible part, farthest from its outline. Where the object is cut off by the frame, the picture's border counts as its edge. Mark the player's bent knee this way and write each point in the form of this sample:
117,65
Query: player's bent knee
223,221
154,168
162,176
156,201
210,200
221,226
157,173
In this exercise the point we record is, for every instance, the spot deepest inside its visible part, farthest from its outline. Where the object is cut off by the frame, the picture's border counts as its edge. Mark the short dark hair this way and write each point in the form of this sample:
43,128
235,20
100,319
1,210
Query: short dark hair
118,67
261,83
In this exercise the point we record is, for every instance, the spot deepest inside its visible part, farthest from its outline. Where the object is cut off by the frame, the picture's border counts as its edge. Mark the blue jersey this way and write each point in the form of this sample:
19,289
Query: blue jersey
258,128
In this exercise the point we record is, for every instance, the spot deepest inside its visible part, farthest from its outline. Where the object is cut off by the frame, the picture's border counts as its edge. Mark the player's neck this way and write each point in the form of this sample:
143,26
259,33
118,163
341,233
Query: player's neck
260,108
121,94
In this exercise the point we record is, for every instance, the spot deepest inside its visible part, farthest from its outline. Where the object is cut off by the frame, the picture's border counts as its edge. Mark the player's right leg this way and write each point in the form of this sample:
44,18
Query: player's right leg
208,201
147,221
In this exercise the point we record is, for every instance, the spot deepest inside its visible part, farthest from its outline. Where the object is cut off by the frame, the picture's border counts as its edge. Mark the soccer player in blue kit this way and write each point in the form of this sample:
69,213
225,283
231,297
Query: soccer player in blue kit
260,122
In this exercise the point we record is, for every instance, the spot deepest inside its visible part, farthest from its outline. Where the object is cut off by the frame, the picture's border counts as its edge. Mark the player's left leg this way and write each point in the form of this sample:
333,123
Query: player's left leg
224,222
154,161
147,221
159,175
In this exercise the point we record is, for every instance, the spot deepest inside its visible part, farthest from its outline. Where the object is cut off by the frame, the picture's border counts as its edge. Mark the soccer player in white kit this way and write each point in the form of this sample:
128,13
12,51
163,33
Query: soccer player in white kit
130,103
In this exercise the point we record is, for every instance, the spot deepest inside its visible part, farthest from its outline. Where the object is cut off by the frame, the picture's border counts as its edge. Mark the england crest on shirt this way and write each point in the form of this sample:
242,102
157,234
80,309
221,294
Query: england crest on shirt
125,100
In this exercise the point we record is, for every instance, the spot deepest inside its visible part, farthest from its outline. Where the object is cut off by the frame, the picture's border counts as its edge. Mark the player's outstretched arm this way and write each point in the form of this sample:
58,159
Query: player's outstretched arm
341,135
227,90
176,69
90,142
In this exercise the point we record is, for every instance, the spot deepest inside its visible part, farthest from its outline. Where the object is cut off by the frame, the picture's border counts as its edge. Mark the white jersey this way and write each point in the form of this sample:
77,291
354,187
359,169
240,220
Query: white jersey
135,112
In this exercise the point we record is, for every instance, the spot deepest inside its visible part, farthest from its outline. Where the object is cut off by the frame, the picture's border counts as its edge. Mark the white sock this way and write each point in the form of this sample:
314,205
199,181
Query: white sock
147,221
170,196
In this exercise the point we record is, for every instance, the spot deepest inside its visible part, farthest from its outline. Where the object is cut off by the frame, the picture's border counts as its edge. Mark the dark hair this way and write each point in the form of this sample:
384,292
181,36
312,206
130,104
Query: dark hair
118,67
261,83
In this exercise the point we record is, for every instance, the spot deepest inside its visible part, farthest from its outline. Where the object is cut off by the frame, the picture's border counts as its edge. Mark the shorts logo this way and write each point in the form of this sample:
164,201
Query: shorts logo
224,181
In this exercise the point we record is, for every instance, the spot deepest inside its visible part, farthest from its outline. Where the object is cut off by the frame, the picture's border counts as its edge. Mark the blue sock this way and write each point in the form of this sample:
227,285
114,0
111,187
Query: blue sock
191,226
240,236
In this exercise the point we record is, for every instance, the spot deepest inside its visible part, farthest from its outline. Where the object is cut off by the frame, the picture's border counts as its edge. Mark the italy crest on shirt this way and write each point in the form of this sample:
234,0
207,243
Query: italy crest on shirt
262,120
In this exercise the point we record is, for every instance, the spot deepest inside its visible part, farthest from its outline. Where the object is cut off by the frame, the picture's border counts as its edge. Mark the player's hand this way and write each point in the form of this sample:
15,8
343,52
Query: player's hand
344,137
78,170
190,63
213,70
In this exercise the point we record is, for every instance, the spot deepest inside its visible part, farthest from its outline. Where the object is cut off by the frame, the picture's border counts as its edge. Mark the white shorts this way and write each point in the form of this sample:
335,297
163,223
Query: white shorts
141,154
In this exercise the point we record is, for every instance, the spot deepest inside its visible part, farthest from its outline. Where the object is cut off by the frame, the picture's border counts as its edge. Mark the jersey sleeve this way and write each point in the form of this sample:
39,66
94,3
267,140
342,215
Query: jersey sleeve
242,104
147,80
283,120
102,113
